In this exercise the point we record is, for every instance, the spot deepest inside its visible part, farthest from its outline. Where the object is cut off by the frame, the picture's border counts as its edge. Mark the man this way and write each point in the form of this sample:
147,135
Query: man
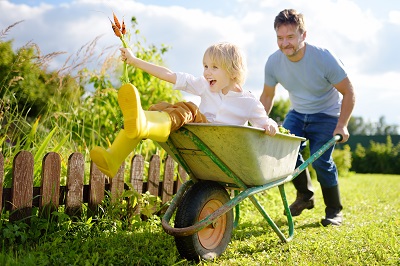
322,100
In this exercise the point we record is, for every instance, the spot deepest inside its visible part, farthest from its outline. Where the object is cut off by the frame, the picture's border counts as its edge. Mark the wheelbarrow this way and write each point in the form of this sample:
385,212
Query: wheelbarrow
222,158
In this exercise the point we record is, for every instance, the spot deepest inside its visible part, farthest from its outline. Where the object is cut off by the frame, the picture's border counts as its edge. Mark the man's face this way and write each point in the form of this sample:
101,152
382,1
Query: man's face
290,41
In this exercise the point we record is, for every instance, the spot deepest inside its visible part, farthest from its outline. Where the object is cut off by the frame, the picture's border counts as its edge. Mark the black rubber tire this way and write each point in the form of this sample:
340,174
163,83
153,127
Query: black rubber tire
210,242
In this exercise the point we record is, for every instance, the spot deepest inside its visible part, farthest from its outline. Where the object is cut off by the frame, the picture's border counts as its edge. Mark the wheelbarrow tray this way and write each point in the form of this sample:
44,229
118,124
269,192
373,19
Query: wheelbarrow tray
254,157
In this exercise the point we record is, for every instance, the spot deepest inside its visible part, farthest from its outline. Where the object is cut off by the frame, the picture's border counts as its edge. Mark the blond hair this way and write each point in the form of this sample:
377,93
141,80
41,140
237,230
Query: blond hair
229,57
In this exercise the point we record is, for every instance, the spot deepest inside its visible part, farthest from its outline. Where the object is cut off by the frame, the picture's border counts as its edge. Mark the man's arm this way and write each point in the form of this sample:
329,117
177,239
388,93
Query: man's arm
346,89
267,98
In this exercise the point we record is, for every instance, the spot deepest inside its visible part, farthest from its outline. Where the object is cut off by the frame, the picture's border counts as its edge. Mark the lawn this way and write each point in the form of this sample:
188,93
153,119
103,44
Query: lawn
369,236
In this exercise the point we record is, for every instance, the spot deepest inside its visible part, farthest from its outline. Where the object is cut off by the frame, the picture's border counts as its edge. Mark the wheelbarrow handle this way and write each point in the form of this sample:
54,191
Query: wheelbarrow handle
338,137
314,157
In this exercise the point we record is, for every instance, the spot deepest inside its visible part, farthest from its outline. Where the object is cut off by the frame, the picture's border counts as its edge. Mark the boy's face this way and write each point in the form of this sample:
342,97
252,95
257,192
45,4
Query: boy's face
218,78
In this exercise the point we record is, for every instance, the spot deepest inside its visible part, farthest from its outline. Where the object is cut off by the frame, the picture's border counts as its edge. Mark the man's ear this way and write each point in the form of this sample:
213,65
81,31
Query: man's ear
304,35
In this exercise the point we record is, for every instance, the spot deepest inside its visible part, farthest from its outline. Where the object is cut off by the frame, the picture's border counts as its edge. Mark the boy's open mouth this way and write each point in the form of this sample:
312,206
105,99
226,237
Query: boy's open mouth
212,82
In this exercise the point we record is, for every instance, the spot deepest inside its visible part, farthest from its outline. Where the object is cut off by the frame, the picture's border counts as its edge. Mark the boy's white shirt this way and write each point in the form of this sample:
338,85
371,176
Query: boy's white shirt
234,108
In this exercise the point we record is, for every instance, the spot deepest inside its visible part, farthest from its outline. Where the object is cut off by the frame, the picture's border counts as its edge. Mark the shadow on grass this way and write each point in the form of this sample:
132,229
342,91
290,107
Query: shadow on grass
260,228
311,225
248,233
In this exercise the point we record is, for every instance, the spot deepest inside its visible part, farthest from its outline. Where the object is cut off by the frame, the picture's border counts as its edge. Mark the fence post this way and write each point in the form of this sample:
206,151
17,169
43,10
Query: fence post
50,184
136,176
168,181
117,184
75,175
96,188
153,181
22,186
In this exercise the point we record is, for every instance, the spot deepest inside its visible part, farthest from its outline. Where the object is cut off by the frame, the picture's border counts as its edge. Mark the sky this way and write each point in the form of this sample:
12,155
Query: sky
364,34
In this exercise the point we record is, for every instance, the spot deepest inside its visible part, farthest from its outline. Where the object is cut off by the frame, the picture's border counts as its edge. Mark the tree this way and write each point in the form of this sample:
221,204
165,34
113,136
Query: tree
357,126
384,129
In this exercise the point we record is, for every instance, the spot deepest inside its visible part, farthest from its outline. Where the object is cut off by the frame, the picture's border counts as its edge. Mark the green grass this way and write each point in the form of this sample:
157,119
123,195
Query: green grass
369,236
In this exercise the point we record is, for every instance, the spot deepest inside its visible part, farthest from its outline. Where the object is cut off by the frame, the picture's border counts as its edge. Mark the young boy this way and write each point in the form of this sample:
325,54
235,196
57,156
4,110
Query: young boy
223,101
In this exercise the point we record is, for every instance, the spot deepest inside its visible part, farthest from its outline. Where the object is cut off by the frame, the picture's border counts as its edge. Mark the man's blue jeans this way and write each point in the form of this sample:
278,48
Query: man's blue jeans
318,129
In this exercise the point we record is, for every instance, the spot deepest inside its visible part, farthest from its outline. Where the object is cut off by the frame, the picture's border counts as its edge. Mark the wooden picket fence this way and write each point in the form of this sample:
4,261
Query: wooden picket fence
23,196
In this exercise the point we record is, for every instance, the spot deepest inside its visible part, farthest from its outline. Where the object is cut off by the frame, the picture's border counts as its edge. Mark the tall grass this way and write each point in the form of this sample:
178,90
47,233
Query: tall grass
42,133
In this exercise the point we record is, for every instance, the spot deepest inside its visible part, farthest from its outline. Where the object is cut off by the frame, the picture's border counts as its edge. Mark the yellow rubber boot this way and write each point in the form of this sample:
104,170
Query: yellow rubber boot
155,125
108,161
138,125
131,107
158,126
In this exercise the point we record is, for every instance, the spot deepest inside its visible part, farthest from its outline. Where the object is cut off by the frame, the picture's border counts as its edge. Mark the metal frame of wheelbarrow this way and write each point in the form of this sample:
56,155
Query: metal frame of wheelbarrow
247,192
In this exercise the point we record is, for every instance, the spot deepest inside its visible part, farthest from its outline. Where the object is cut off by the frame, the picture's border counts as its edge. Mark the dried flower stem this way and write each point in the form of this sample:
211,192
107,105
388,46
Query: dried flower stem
120,32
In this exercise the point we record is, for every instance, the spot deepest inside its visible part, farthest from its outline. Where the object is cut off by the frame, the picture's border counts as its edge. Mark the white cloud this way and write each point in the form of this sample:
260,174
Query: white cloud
24,11
343,19
394,17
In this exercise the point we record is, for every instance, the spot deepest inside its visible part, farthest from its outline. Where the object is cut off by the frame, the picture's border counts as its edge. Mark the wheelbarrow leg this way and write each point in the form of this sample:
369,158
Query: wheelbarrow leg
287,211
271,222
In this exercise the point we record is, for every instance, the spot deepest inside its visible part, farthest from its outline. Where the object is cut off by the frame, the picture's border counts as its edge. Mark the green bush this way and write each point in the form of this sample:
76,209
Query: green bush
343,160
377,158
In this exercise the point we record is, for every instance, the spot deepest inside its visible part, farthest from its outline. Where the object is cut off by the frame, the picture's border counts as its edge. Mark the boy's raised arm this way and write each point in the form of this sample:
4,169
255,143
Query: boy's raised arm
154,70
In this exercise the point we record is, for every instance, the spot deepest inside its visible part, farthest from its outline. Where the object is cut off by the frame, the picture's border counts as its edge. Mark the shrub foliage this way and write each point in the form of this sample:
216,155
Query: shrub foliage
377,158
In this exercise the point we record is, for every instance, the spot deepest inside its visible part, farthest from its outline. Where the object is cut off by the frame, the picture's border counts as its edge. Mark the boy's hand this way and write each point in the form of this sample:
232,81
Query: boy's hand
271,127
127,55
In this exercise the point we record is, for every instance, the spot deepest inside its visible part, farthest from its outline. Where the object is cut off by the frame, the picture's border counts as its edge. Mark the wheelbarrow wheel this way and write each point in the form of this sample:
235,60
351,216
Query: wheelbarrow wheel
202,199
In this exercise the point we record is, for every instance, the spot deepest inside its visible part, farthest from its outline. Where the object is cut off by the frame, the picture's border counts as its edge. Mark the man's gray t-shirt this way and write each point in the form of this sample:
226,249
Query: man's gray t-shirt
308,81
